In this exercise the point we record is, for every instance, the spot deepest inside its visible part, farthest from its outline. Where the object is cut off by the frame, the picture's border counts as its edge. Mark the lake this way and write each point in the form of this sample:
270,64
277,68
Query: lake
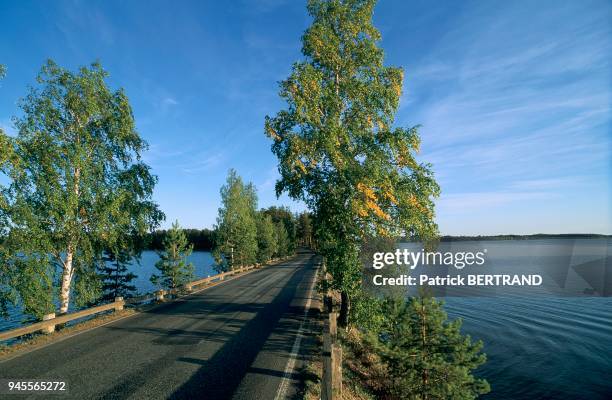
548,342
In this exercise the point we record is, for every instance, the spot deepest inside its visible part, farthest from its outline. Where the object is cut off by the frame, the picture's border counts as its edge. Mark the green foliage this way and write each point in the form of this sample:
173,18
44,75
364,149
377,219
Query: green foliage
305,229
267,242
78,185
337,148
88,287
202,239
285,216
6,296
426,355
236,230
173,266
282,239
115,275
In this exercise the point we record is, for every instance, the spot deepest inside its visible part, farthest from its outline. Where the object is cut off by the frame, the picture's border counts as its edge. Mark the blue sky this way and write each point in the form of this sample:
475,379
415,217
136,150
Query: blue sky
513,97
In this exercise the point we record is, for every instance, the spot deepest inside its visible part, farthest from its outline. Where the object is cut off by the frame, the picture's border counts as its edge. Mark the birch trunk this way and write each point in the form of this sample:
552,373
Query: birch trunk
68,263
66,280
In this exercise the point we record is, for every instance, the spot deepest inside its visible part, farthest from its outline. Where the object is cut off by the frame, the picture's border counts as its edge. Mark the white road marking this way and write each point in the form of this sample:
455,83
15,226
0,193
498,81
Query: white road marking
284,385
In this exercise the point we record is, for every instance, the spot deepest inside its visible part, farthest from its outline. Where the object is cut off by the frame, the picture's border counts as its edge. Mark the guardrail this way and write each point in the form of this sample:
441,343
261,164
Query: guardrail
47,325
331,383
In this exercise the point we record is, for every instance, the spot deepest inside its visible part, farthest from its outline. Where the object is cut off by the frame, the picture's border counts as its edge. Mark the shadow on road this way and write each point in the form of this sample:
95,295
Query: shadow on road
233,360
242,328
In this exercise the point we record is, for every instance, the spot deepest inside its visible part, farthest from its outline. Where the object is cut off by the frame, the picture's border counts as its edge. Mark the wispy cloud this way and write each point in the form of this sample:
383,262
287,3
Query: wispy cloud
515,113
169,101
269,180
203,162
476,201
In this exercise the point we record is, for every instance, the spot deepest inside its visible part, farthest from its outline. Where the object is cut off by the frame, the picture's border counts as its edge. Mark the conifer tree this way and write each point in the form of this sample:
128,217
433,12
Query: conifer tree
426,355
236,230
115,274
337,146
174,269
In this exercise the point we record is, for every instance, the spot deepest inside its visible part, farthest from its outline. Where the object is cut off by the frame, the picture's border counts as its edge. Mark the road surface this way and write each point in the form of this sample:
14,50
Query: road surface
234,340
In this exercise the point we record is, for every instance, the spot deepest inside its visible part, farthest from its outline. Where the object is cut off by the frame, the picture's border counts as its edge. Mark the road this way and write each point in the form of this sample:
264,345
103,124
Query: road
234,340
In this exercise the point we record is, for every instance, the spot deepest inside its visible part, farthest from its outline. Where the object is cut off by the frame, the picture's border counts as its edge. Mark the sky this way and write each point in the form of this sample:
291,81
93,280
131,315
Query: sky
513,98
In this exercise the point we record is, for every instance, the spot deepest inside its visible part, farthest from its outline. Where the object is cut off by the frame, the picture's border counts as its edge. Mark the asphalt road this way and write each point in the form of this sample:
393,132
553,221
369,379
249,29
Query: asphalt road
233,340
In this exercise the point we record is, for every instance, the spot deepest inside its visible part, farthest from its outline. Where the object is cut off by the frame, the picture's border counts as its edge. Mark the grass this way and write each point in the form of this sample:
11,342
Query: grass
364,374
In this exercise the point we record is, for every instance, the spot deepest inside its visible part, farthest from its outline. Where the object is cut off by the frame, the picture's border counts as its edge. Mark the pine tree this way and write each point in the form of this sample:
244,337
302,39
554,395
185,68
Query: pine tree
172,265
115,274
426,355
236,230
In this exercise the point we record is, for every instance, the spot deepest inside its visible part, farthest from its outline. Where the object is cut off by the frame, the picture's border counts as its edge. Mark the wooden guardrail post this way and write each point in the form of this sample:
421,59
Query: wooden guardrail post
326,392
333,326
49,328
119,303
336,372
331,385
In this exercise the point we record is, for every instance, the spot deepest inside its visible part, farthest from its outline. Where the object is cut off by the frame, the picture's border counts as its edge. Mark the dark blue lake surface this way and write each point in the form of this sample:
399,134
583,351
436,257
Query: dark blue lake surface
553,341
541,348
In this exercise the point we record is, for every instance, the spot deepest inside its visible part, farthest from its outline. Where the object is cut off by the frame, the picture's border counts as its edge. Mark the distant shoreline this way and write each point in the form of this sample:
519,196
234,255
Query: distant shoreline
450,238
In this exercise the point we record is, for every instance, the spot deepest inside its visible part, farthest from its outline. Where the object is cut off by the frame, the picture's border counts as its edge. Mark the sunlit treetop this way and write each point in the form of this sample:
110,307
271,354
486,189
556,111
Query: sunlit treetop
336,140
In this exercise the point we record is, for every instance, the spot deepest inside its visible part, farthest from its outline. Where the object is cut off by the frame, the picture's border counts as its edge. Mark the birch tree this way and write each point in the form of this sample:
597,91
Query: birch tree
78,184
338,147
267,243
236,230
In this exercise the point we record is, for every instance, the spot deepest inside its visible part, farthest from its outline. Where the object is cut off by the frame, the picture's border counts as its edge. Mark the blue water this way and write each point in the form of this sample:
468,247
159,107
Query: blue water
202,261
548,342
541,348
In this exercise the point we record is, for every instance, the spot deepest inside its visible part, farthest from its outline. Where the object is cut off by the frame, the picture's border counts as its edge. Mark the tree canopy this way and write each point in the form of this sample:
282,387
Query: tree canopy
236,230
266,238
78,185
338,148
173,266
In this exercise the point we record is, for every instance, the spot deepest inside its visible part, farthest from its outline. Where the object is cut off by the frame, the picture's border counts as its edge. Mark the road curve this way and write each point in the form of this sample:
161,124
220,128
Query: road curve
233,340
